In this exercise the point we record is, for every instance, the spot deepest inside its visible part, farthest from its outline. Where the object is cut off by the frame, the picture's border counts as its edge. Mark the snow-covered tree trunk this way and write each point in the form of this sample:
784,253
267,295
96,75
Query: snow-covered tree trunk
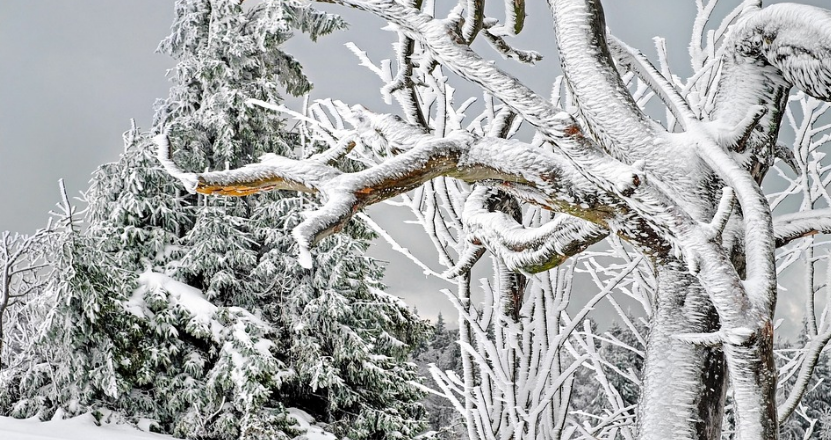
685,194
679,374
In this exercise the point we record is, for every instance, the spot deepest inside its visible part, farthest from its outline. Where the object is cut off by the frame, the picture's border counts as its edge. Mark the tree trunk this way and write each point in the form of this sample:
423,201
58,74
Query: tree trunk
683,384
755,385
2,338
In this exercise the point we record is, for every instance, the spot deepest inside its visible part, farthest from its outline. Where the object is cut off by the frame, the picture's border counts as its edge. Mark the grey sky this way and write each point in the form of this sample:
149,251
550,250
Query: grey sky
73,73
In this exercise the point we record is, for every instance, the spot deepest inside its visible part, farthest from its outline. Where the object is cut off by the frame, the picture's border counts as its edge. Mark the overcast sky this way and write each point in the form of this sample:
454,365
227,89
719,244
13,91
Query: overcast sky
74,73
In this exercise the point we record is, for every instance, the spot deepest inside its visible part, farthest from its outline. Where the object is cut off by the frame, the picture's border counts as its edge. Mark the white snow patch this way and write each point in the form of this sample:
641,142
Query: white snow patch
188,297
306,422
137,306
78,428
263,346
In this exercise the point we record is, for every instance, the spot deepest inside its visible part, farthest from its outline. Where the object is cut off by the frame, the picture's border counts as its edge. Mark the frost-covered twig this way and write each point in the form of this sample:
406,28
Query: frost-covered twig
635,61
508,51
25,270
812,353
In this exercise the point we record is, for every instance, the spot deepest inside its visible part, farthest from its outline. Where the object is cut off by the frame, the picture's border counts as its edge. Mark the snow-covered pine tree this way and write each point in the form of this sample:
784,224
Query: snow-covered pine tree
344,339
73,360
184,311
135,209
123,340
347,339
191,344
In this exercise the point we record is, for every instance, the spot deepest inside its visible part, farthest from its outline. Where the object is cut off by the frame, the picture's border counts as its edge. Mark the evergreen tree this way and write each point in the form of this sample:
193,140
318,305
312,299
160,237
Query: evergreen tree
349,341
143,345
191,311
83,342
443,351
441,334
623,360
346,341
136,210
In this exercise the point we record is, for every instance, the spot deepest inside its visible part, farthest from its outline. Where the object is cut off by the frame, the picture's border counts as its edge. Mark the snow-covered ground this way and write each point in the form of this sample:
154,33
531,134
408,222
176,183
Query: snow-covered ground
84,428
77,428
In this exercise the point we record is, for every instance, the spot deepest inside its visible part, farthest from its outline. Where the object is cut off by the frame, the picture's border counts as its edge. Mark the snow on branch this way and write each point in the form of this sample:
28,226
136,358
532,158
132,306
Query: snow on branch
789,227
469,257
636,62
797,40
474,16
566,135
813,350
437,37
794,43
504,48
605,104
424,157
527,249
272,173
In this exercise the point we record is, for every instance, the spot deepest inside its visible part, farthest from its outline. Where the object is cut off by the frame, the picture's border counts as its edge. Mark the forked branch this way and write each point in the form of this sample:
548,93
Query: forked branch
529,250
